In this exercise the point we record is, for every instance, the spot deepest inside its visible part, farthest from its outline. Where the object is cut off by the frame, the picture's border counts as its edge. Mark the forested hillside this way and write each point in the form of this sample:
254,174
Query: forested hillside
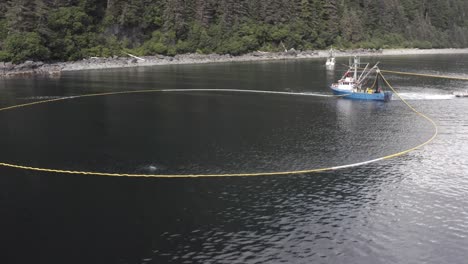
74,29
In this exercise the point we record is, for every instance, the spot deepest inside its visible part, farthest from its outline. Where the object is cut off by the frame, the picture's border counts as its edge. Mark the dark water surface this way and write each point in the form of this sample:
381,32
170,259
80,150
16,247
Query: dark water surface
411,209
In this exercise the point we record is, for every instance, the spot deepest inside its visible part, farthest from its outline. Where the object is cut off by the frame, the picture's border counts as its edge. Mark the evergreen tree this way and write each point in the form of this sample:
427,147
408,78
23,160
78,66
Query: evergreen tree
73,29
21,15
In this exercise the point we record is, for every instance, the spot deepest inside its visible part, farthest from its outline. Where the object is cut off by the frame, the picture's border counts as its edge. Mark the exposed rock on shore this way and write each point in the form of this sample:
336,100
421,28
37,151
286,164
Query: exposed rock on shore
29,68
193,58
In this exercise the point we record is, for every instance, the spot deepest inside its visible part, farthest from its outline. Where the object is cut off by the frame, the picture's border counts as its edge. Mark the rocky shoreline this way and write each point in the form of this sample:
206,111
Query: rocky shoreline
30,68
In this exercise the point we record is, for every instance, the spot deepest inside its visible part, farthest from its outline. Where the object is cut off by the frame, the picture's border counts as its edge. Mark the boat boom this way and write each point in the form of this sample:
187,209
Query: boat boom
369,71
364,71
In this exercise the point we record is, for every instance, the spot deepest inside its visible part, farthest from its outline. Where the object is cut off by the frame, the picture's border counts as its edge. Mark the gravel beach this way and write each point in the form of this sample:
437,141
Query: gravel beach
30,68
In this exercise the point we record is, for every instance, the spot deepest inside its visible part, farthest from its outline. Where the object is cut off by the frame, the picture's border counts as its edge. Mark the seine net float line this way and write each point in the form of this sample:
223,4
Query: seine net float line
275,173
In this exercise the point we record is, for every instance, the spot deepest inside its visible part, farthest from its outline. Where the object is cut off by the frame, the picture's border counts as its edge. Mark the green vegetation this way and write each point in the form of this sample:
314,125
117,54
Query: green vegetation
74,29
25,45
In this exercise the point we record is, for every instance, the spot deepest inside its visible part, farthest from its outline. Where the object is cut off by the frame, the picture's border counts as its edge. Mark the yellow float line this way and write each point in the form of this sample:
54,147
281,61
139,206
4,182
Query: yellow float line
96,173
425,75
436,128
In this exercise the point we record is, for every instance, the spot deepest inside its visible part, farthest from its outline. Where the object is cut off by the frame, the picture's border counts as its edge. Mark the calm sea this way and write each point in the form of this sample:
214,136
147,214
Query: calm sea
410,209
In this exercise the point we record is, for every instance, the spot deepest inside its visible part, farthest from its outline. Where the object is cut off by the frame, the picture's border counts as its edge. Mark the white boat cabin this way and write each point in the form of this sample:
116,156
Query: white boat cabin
345,84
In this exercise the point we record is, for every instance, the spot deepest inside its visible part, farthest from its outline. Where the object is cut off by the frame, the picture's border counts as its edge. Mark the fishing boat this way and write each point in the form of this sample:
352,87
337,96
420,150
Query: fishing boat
355,84
331,59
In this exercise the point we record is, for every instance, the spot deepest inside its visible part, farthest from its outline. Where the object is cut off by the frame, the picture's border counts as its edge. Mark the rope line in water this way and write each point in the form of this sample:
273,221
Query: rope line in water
425,75
97,173
433,123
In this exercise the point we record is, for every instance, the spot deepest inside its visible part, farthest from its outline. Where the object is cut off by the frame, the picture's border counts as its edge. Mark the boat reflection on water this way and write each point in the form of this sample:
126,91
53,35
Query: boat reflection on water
348,112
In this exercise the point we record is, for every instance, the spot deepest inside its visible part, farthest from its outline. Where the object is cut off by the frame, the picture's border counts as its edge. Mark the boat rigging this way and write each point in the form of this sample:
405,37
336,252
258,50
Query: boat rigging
353,83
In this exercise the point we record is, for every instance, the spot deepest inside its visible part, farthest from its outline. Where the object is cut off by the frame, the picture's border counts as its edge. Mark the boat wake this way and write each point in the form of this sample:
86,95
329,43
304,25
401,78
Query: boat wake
406,96
425,96
45,97
249,91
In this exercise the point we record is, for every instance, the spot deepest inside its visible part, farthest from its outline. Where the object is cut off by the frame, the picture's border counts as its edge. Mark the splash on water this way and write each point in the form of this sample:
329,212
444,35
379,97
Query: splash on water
425,96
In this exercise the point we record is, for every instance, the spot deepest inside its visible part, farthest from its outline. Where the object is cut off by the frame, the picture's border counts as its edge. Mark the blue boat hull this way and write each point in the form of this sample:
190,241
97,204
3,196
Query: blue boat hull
383,96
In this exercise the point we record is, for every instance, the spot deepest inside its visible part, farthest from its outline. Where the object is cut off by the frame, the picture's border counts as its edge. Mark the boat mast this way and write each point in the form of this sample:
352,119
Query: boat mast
356,65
